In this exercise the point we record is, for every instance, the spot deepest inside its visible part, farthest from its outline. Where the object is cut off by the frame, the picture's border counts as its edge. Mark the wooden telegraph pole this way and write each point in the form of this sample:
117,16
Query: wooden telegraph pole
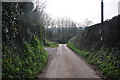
102,20
102,16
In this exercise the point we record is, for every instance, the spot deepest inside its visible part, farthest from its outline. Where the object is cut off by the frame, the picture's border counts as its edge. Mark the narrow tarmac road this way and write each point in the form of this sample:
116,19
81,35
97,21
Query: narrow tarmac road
65,64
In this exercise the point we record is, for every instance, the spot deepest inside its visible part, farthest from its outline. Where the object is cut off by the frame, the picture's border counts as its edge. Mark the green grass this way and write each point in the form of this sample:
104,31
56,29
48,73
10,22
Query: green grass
107,64
51,44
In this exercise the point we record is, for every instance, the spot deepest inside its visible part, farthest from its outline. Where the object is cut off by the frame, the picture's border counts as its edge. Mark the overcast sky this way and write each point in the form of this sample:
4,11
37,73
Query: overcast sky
79,10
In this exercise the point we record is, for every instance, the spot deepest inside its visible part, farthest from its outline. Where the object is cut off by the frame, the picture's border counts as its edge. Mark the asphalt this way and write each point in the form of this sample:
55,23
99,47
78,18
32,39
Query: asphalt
65,63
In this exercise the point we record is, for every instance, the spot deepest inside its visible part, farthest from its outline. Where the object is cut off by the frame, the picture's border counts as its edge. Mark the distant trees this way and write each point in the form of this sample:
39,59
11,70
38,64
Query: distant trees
62,30
87,23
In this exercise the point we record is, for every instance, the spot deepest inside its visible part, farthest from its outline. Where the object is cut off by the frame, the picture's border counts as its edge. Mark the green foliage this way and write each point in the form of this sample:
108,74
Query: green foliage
24,64
51,44
23,54
104,61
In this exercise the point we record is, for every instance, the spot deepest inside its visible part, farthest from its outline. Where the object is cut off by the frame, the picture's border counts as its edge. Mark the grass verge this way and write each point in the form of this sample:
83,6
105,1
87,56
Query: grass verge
107,64
51,44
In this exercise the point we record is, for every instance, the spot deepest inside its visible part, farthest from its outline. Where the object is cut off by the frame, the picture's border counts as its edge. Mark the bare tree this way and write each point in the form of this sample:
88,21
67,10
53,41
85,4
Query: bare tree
87,23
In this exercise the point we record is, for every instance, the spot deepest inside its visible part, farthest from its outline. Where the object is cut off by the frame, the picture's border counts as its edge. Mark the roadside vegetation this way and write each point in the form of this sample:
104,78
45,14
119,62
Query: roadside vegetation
104,61
23,54
51,44
26,26
24,63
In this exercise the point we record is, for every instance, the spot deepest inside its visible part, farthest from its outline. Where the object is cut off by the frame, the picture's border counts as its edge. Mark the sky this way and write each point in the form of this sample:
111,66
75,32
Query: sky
79,10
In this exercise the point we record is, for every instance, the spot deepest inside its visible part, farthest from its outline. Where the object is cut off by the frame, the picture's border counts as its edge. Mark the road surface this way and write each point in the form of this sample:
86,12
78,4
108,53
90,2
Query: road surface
65,64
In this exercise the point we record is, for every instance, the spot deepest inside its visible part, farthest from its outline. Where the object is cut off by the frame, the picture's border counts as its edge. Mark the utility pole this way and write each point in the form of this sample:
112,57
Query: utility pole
119,8
102,13
102,20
